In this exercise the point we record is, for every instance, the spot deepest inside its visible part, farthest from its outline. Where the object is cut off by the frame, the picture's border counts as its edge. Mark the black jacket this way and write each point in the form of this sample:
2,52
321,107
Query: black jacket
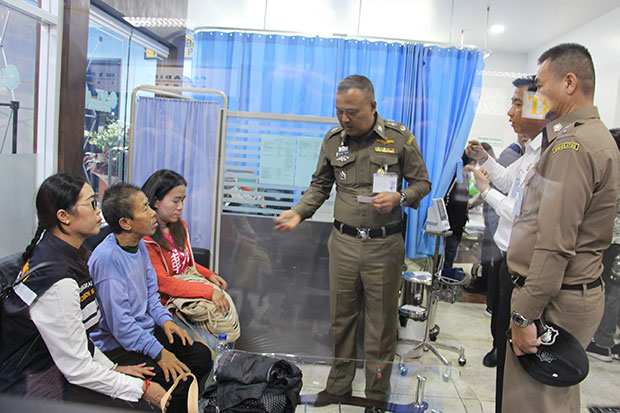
21,348
243,376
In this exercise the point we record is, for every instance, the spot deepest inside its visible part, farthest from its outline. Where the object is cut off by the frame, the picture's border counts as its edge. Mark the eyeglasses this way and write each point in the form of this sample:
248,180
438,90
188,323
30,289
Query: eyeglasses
92,203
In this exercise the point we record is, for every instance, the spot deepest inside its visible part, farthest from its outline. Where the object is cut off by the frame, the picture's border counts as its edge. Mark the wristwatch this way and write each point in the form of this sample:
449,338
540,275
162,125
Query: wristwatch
519,320
403,199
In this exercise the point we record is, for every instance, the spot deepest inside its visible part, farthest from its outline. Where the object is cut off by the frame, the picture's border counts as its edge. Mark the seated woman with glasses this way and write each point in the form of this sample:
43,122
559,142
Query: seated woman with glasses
171,252
45,351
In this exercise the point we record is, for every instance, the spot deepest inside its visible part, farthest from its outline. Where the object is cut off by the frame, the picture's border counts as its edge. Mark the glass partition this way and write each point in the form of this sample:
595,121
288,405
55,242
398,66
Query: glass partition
116,65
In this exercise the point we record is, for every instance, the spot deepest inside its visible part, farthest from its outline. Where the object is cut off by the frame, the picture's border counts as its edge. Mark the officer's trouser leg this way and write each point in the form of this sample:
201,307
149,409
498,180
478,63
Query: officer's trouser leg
579,312
381,273
345,293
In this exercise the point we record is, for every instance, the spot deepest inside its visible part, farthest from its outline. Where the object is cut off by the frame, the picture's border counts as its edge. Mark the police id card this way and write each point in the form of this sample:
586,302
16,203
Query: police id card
384,182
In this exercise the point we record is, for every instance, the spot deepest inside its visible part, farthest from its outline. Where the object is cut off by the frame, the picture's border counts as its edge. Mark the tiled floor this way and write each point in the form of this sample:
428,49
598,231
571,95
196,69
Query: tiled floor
472,388
467,324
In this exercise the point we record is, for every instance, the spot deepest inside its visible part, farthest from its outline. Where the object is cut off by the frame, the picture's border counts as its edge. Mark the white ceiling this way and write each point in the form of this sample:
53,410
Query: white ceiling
528,23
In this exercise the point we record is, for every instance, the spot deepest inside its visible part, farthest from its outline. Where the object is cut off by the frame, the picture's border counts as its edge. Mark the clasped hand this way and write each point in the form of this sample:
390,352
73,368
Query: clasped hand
525,340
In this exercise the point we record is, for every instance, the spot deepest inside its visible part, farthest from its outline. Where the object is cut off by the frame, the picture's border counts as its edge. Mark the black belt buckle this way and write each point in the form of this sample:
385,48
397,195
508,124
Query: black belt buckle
363,233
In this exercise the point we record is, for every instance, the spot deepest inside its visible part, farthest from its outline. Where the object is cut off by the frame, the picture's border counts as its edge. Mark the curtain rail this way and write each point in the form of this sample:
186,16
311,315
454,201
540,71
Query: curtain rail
171,91
486,52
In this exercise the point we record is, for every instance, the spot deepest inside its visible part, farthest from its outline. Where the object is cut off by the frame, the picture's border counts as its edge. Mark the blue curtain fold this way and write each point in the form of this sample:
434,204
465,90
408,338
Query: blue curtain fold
443,110
180,135
433,91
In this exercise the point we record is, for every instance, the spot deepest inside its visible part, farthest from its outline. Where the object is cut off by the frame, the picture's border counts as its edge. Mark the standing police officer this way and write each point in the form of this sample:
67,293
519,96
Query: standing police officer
564,222
365,155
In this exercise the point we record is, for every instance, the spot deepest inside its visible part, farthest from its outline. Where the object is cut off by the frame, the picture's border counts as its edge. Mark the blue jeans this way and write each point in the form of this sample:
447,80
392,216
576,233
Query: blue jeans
208,338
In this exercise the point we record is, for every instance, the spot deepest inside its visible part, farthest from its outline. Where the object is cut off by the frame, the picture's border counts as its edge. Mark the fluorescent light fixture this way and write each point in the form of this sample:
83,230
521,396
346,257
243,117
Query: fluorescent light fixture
496,29
159,22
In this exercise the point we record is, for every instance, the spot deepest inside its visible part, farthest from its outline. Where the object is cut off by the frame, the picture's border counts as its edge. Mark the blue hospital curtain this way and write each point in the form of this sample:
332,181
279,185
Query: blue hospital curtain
433,91
180,135
444,105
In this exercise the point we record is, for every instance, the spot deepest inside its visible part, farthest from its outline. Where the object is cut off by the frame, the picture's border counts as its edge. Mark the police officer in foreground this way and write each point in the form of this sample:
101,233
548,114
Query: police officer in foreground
368,158
564,222
507,180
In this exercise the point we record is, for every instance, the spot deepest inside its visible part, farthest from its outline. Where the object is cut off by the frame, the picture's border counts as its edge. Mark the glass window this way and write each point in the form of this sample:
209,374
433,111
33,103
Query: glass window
25,84
18,81
115,66
106,71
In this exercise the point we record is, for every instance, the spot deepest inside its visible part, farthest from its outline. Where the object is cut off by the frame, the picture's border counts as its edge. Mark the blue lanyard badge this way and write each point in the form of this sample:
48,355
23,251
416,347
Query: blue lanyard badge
518,201
459,171
515,187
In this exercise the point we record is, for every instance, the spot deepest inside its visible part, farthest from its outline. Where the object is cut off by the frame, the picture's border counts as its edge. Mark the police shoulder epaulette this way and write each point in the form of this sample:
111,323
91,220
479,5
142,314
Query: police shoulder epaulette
334,130
396,126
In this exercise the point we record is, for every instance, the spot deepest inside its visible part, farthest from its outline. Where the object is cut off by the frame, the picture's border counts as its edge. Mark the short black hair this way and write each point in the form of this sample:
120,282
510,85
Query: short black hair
357,82
528,82
571,58
615,132
118,203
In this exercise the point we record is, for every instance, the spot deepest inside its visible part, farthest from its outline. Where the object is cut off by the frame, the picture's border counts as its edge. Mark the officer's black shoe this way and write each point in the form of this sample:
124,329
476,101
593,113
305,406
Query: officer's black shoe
373,410
325,398
490,359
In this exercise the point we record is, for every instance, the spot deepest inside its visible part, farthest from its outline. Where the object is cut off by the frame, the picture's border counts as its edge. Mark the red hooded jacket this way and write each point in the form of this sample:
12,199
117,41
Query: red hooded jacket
170,286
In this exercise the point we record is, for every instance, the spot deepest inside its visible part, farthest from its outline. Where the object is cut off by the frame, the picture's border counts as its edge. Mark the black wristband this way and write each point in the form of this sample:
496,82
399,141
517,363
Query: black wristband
158,357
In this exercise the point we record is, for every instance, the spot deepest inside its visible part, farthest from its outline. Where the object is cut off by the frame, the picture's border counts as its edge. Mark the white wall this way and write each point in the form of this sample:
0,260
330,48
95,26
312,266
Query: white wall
414,20
17,210
491,121
602,38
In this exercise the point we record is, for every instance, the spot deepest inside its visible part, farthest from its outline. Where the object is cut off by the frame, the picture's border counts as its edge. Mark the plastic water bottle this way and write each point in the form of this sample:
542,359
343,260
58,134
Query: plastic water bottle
222,348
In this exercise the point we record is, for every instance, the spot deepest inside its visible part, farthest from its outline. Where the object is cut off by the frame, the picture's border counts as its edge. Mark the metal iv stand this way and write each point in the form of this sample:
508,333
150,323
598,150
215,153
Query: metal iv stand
431,304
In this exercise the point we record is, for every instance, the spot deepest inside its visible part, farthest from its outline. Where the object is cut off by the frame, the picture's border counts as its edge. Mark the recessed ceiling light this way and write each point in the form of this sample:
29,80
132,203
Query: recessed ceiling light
496,29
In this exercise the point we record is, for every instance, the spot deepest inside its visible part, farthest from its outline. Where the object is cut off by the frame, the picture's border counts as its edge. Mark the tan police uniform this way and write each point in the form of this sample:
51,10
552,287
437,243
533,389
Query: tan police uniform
365,268
566,221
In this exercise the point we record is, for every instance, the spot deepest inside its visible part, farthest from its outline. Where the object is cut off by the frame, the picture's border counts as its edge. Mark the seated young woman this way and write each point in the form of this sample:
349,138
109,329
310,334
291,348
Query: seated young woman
45,351
171,252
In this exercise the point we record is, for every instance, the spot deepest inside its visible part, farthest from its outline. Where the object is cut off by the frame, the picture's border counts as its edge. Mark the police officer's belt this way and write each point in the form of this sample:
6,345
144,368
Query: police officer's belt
519,281
368,233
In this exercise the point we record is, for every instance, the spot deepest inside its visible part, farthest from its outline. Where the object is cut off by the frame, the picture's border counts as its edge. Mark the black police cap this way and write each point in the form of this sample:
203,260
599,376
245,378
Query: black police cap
560,360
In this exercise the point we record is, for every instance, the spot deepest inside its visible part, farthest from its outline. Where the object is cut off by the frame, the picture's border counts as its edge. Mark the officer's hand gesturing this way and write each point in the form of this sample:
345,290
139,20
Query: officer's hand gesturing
385,202
287,221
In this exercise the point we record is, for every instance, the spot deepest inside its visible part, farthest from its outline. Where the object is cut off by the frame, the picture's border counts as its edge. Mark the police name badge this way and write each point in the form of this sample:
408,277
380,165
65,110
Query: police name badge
343,153
384,182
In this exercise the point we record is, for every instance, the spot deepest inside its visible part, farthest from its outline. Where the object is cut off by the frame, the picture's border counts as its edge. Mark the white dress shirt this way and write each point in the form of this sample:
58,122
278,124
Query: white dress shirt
58,317
509,180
